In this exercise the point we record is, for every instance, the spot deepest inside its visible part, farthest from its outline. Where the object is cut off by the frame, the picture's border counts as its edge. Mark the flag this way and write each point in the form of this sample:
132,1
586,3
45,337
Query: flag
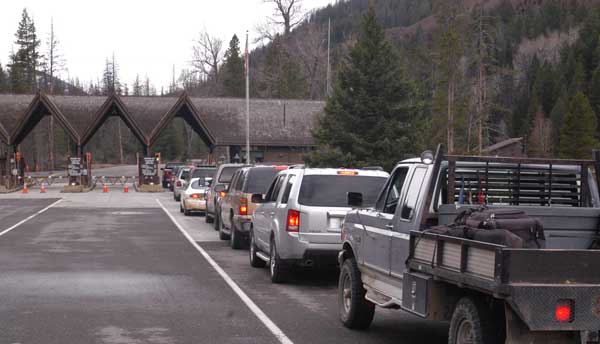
246,56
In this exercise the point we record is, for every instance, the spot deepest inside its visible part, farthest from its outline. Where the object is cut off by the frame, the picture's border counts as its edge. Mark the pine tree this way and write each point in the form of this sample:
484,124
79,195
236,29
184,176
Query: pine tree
24,62
577,135
233,70
3,86
137,86
368,118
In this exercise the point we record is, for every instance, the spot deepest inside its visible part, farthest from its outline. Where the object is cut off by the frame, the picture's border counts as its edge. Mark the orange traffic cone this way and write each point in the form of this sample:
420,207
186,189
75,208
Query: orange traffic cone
43,188
105,189
126,188
25,190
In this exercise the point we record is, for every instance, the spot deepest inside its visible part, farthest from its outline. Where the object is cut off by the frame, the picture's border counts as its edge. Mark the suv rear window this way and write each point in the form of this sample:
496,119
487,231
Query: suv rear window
259,180
227,173
199,184
203,172
184,174
331,191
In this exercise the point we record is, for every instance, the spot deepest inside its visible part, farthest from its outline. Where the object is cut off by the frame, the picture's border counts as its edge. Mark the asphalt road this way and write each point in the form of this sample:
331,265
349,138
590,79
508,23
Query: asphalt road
81,273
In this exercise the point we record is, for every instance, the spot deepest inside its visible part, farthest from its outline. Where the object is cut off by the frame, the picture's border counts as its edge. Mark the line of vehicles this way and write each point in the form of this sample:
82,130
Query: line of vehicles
384,233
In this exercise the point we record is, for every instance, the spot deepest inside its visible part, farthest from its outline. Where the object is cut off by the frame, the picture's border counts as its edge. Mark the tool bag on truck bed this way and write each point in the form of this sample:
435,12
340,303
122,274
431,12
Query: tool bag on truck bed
507,227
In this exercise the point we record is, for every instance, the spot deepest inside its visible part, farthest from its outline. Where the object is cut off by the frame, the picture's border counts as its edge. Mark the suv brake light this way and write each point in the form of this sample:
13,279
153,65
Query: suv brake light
243,206
222,194
197,196
293,221
347,173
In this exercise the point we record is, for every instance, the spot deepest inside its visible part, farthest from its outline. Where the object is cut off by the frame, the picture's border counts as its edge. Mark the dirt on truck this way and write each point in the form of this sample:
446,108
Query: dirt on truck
505,249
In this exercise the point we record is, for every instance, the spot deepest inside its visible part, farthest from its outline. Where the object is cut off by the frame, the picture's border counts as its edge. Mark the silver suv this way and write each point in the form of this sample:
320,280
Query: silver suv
299,220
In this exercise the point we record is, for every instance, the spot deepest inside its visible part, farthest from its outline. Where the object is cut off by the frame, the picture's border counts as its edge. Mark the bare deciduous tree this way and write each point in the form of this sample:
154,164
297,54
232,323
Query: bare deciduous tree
287,13
311,50
207,55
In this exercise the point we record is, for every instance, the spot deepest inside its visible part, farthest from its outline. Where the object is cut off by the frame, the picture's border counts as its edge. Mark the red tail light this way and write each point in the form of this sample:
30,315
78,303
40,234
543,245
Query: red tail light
222,194
243,206
197,196
564,311
293,221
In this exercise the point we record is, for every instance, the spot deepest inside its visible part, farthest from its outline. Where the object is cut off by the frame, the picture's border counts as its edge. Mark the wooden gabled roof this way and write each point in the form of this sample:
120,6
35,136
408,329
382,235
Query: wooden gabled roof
218,121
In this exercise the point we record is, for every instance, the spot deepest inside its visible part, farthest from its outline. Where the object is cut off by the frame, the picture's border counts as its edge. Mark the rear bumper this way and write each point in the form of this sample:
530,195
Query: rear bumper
242,223
195,205
292,247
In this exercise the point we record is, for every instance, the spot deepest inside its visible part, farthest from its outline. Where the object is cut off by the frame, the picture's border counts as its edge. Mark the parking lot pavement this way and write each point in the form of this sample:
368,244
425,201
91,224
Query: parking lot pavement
305,308
13,211
114,275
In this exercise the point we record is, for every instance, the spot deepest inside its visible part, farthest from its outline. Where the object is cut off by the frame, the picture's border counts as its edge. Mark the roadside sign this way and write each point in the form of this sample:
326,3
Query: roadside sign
149,167
74,169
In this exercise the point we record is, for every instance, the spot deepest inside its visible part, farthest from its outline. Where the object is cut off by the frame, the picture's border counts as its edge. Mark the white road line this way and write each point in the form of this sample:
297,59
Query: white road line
245,298
29,218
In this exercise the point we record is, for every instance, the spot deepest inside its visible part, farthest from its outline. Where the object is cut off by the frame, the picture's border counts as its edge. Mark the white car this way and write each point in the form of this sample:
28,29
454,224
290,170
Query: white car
182,175
193,196
299,221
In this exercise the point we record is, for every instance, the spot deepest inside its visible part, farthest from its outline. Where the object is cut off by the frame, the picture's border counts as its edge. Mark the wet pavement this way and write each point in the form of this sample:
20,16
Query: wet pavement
114,268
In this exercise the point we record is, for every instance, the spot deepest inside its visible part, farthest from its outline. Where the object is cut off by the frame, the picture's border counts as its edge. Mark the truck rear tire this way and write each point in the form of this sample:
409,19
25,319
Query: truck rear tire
222,234
208,219
237,239
473,322
355,311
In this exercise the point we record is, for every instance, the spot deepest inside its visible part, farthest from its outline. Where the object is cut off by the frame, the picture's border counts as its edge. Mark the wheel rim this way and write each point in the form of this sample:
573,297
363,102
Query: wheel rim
347,293
465,333
272,260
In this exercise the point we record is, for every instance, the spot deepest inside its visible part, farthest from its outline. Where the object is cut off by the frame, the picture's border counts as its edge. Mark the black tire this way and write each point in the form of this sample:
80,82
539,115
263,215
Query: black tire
277,267
255,261
474,322
237,239
222,235
174,197
208,219
355,311
186,212
217,221
178,198
180,208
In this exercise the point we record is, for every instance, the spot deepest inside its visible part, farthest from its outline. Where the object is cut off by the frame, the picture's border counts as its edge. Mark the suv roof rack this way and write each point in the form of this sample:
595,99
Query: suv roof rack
372,168
298,166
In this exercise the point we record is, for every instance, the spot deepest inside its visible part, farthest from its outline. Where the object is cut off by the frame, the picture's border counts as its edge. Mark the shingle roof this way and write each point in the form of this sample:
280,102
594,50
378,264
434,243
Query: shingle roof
148,111
12,108
78,110
272,122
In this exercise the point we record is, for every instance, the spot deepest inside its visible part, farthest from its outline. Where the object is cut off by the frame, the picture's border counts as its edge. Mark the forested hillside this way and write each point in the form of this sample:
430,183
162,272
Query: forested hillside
480,71
489,70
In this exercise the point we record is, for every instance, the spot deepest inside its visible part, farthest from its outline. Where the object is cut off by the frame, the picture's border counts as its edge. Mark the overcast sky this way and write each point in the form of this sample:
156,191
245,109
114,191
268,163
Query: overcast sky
147,36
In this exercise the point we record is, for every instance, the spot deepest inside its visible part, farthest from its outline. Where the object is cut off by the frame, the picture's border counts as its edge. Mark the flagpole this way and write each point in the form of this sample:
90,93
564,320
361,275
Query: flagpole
247,62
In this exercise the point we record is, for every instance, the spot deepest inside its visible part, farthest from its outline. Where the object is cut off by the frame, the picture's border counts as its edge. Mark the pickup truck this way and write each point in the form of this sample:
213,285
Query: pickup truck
489,293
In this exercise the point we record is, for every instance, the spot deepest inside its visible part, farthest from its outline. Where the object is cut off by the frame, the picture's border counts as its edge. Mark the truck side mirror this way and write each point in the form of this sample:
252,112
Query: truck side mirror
355,199
257,199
